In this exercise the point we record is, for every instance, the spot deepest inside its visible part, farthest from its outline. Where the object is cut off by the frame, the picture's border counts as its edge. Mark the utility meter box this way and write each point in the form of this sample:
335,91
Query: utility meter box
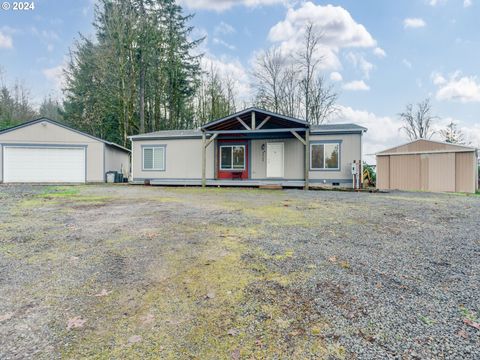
354,169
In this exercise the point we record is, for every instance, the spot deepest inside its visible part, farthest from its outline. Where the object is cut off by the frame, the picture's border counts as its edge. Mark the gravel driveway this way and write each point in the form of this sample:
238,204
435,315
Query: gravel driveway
150,272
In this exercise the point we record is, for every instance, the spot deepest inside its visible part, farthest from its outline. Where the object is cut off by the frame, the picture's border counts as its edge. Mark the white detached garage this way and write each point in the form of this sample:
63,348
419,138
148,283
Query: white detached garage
46,151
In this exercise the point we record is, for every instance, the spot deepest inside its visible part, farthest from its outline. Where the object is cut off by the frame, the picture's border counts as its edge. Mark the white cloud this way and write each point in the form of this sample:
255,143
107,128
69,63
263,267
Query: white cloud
472,134
459,88
466,3
222,5
407,63
218,41
379,52
336,76
6,41
88,8
359,61
56,76
414,23
224,29
438,78
357,85
47,37
383,131
335,25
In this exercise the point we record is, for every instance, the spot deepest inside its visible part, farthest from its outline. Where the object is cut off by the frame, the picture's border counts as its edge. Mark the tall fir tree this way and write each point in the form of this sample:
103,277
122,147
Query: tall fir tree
139,74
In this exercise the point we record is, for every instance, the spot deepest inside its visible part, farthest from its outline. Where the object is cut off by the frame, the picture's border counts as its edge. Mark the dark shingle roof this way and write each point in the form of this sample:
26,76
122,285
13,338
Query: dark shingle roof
164,134
326,128
194,134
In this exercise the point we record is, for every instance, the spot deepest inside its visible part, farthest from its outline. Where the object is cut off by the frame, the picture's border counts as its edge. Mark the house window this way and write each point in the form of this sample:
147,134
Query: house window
154,158
232,157
325,156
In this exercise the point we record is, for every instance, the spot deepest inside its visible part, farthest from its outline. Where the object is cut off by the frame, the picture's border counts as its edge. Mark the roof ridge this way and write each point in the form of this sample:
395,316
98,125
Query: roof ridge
65,126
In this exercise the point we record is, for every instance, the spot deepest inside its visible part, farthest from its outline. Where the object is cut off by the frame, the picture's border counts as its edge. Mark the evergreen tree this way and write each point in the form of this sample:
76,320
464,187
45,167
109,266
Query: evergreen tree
15,105
51,109
139,74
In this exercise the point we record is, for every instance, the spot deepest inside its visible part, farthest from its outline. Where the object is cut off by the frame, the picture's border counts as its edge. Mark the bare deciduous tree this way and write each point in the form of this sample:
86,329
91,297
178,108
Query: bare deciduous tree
293,85
323,99
418,121
309,61
269,74
452,134
290,104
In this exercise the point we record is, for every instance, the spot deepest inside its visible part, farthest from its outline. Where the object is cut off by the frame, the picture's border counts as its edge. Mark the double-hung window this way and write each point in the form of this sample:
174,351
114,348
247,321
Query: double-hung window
154,158
325,156
232,157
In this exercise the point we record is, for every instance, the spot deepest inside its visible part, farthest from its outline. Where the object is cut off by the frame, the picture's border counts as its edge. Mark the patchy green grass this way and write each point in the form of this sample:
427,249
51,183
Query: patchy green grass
54,195
60,191
152,285
207,309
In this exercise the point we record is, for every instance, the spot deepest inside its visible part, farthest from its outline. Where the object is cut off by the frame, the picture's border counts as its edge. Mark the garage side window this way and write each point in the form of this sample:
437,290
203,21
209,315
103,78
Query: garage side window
154,158
325,156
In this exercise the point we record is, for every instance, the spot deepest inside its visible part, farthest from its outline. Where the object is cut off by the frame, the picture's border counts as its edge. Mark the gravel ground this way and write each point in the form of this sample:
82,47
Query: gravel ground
151,272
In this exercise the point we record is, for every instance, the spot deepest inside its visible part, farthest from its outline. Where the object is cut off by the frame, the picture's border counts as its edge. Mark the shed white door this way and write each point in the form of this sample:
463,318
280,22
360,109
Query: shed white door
275,162
43,164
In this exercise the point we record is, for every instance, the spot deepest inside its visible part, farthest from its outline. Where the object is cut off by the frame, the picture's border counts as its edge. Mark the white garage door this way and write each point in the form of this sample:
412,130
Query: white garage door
44,164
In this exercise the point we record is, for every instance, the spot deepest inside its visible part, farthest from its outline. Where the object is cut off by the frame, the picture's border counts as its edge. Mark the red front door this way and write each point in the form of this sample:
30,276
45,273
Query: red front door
232,159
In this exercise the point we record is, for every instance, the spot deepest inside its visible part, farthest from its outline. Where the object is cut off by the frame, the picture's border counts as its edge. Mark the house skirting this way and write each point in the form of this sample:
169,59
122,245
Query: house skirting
293,183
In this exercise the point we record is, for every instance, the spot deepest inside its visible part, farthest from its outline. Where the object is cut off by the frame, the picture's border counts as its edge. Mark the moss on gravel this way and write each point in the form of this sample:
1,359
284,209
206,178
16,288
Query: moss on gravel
204,308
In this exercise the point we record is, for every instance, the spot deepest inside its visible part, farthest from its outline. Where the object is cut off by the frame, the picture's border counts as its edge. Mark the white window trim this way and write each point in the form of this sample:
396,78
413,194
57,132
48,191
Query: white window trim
324,158
153,158
232,168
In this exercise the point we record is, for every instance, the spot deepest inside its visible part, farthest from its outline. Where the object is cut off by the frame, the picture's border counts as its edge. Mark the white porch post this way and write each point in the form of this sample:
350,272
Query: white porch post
307,158
204,159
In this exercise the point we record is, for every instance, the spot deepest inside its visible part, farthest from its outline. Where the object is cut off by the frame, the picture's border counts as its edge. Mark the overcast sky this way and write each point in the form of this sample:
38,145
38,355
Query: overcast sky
380,55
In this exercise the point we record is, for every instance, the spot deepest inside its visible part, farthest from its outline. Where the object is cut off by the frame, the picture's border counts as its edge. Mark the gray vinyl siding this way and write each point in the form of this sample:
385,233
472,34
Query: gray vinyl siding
350,150
117,160
294,155
183,159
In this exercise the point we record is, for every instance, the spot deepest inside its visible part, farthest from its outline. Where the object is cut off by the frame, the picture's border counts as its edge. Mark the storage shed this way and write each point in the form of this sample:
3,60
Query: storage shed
46,151
428,165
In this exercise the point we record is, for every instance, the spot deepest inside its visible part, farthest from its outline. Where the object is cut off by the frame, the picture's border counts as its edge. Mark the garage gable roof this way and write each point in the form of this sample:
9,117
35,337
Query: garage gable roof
425,146
54,122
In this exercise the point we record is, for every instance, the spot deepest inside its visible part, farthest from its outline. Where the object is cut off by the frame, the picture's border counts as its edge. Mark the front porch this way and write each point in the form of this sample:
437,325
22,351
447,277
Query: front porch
255,148
228,182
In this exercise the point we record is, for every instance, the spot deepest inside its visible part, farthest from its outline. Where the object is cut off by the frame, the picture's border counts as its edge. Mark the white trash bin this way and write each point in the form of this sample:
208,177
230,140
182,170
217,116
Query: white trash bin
111,177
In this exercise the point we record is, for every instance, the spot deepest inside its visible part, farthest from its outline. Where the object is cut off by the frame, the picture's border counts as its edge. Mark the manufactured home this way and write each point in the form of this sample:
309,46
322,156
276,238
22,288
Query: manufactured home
47,151
426,165
253,147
